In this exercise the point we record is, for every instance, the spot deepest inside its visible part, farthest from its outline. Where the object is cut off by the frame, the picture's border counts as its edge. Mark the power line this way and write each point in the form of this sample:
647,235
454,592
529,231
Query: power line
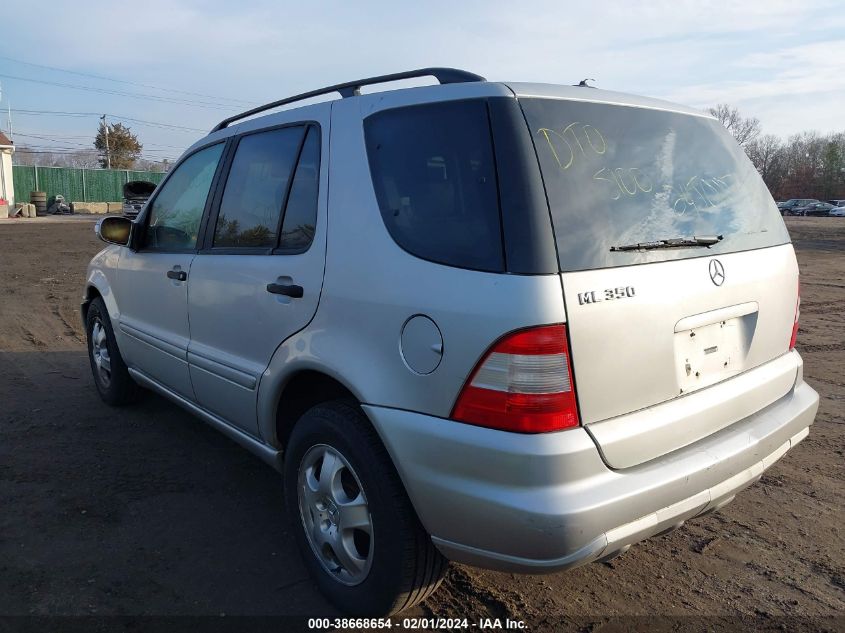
77,150
68,143
50,138
67,140
62,136
74,147
71,151
161,125
127,82
47,138
53,148
53,112
120,93
86,155
158,124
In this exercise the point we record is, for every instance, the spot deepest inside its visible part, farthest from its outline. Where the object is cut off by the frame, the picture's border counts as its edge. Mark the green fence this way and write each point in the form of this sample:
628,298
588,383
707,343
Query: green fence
76,185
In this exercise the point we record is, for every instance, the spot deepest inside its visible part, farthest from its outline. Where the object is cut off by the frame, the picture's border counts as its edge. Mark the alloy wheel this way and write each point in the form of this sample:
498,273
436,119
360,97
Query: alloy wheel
100,353
335,514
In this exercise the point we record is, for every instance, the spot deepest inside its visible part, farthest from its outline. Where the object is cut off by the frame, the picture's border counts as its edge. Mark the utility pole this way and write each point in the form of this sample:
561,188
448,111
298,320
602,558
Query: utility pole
9,113
106,128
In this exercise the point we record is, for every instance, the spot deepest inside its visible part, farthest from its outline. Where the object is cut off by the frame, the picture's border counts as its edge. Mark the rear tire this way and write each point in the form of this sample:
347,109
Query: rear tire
334,461
111,377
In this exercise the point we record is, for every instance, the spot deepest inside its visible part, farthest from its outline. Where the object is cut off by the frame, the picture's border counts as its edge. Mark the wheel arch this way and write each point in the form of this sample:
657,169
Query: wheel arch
97,285
91,293
101,273
283,399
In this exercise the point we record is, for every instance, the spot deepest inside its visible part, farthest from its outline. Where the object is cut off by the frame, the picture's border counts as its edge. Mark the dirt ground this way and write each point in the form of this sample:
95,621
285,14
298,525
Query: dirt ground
147,511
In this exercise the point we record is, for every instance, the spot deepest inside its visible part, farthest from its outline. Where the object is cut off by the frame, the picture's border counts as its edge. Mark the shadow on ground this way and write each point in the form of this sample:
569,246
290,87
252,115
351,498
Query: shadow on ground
138,510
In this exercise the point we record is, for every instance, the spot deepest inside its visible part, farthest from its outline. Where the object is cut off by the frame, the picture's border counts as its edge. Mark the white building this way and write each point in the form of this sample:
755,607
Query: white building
7,187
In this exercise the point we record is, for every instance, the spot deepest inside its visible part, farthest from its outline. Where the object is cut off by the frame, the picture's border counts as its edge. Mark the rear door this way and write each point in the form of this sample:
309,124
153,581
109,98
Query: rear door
257,280
649,325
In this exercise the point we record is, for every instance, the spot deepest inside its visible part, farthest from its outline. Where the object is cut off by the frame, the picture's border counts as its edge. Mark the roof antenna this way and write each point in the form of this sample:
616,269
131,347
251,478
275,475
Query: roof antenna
583,83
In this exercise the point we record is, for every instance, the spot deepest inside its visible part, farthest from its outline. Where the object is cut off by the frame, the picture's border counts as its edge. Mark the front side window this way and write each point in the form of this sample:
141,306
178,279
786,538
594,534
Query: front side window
176,212
255,190
434,176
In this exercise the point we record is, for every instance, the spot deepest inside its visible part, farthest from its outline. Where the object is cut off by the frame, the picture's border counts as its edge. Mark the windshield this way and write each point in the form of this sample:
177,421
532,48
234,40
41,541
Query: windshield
622,175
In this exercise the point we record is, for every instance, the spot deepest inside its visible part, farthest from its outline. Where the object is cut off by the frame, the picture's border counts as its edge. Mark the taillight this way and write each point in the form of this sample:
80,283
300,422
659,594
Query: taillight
797,314
522,384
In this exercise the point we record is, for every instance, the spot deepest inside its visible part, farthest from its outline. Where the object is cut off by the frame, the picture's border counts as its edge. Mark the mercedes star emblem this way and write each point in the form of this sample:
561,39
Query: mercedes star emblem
717,272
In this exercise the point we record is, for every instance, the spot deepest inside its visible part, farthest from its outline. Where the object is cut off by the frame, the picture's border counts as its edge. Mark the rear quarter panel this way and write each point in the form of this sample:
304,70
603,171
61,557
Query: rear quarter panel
372,287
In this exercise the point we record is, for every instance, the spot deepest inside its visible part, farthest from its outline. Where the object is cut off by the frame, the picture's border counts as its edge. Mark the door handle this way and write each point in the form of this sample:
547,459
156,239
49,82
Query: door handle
178,275
289,290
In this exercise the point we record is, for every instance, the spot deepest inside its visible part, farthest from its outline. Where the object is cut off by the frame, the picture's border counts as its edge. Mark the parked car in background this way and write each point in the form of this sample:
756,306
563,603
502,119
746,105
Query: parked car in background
838,212
815,208
837,203
135,196
406,344
790,206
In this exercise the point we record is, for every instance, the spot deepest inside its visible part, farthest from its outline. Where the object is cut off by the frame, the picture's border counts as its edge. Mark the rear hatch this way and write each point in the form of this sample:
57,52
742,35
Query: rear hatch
660,332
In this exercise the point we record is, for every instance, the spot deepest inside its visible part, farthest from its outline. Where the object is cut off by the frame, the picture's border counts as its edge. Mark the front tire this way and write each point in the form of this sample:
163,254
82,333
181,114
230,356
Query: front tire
357,531
111,377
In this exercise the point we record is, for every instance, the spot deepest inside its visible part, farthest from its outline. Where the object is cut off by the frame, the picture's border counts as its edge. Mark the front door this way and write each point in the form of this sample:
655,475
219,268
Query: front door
258,278
151,292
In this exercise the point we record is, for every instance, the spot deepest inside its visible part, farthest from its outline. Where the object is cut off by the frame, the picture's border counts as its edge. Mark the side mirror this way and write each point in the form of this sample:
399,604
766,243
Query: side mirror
114,229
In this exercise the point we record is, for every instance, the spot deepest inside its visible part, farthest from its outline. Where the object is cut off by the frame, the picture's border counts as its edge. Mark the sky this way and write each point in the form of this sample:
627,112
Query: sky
782,61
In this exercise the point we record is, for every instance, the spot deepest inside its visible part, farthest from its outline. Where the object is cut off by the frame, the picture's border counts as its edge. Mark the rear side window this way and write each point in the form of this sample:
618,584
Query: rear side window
434,176
256,187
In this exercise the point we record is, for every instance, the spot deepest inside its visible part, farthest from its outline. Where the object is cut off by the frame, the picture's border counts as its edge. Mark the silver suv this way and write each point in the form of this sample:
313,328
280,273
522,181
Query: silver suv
518,326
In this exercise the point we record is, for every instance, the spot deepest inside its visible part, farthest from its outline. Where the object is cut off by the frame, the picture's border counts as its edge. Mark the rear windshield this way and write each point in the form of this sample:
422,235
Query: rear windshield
618,175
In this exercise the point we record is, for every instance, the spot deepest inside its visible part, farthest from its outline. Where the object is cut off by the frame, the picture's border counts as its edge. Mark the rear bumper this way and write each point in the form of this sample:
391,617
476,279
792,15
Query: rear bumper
541,503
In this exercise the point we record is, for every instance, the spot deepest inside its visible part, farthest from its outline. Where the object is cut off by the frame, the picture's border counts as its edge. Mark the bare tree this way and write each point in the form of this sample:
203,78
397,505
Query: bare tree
42,158
83,159
803,165
149,165
743,129
24,155
767,152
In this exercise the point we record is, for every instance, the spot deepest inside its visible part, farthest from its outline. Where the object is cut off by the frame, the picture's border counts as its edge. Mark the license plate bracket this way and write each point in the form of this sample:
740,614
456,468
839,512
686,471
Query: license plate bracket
708,354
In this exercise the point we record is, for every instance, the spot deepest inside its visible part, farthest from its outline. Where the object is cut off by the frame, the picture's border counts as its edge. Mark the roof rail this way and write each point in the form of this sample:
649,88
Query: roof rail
353,88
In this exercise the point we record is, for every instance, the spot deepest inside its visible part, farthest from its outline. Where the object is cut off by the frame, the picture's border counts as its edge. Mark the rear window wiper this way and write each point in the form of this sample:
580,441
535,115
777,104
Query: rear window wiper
675,242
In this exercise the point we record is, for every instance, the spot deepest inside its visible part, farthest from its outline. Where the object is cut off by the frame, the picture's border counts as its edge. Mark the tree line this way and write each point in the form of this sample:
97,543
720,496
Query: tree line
79,159
805,165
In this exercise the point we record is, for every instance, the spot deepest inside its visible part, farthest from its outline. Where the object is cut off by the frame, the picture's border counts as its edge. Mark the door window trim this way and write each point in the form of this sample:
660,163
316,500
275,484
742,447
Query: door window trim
205,242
